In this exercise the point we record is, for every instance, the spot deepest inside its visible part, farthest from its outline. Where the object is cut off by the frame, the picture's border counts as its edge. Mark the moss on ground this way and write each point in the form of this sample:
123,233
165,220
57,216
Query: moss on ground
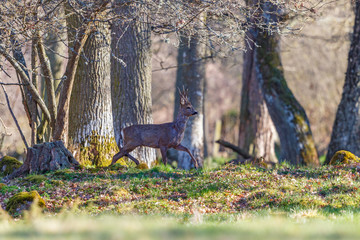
35,178
343,157
142,166
22,201
9,164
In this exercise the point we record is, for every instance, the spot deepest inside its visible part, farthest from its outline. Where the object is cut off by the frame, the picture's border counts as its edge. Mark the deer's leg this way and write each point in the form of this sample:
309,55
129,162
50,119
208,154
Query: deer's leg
163,154
125,152
117,156
132,158
185,149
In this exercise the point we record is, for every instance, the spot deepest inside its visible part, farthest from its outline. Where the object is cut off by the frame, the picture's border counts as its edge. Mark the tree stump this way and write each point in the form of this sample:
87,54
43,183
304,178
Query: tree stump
48,156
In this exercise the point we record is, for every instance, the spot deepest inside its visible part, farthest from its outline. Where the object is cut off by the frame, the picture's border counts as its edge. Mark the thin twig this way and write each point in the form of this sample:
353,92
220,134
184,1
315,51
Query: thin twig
182,65
5,128
13,115
14,84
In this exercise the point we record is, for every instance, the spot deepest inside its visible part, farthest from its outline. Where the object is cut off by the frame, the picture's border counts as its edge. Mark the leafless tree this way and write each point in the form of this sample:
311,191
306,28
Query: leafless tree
25,24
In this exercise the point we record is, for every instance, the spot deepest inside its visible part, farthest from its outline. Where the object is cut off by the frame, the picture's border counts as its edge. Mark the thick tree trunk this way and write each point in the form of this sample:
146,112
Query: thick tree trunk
296,140
291,122
131,74
346,129
191,76
62,120
91,133
256,132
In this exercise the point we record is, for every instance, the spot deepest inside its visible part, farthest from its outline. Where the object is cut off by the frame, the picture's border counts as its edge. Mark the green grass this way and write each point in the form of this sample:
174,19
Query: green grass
237,200
241,226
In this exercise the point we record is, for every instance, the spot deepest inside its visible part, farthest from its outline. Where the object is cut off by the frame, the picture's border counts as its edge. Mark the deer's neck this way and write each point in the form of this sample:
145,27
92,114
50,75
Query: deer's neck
180,122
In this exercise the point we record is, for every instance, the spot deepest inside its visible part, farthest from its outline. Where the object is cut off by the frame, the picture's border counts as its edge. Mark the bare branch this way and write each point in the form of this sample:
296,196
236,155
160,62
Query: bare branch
49,80
14,118
182,65
25,78
14,84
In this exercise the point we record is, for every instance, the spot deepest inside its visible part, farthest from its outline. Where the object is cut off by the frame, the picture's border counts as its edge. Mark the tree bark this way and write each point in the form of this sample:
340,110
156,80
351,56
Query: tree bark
48,80
56,48
257,132
346,129
61,125
49,156
191,76
291,122
91,133
131,73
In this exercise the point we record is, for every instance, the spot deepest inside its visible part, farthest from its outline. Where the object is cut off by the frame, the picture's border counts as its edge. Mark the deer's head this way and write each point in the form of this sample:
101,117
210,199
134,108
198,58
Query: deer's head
185,106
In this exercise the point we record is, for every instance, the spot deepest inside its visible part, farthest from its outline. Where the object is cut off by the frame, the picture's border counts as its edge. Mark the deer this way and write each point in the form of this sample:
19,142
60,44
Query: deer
162,136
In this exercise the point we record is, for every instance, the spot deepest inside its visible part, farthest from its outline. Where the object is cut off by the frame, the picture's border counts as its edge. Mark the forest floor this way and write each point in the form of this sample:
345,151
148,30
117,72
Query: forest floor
234,201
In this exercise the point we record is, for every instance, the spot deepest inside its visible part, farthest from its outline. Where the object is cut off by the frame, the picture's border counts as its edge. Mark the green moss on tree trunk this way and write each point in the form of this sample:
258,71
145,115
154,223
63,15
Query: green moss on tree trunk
289,117
95,150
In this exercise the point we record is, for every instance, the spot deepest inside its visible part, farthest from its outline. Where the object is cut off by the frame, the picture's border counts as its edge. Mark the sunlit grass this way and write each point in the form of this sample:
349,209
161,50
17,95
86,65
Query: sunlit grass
306,224
239,202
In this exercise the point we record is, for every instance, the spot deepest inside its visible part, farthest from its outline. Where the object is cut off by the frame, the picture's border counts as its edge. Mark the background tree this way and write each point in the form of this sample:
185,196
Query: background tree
346,129
91,127
131,73
256,131
290,120
191,76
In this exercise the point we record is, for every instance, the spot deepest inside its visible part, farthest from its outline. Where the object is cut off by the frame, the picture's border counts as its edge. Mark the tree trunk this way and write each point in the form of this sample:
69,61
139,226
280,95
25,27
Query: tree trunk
56,48
62,120
291,122
131,74
346,129
41,158
256,132
91,133
191,76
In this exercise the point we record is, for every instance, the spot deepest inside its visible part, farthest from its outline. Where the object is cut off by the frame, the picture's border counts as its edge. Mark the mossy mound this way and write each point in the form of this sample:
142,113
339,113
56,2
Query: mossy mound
62,172
23,201
119,165
142,166
9,164
344,157
34,179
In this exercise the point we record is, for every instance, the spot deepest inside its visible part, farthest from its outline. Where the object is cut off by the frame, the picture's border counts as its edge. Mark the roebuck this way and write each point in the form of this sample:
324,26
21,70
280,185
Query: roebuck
163,136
